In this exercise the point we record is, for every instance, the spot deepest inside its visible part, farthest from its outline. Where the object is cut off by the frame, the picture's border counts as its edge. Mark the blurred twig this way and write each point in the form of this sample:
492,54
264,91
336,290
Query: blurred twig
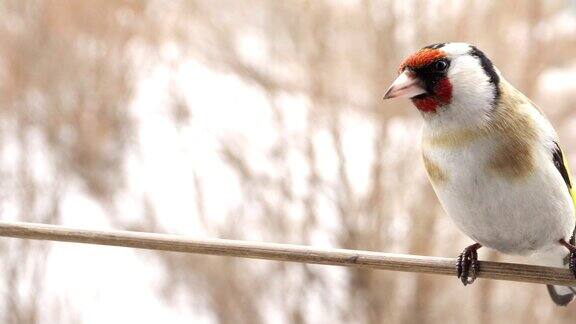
285,252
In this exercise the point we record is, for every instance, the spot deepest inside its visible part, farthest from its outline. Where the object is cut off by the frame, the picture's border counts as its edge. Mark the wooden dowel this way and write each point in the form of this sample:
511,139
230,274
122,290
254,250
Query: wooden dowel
285,252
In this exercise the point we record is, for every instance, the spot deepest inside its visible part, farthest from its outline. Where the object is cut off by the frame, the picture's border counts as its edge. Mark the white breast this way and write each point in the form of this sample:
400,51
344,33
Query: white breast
512,215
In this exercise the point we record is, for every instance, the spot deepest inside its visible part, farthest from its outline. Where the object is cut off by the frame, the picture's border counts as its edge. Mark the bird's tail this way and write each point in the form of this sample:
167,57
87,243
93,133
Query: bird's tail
556,257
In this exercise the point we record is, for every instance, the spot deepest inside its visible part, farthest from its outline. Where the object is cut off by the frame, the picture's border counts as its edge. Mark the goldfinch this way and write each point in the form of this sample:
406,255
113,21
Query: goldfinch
493,159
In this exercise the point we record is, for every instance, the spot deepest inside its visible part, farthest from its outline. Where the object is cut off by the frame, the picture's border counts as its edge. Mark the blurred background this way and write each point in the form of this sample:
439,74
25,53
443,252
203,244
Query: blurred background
258,120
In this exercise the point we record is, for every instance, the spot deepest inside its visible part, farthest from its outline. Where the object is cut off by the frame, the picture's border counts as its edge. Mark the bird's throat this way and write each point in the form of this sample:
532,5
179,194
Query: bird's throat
426,104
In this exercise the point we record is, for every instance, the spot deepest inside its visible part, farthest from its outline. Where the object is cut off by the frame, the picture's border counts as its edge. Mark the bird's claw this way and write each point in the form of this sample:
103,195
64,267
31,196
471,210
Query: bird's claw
572,263
467,265
571,256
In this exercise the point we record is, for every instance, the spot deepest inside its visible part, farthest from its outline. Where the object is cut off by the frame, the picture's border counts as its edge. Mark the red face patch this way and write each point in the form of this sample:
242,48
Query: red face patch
442,91
442,96
422,58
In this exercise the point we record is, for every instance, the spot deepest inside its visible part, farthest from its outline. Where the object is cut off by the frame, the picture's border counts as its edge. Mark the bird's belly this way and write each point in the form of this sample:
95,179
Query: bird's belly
514,216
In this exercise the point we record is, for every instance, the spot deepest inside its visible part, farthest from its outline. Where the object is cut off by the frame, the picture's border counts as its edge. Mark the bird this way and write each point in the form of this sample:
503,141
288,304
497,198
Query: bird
493,159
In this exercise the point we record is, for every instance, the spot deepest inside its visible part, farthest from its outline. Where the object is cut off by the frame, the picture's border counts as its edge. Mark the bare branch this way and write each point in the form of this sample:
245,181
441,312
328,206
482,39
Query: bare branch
286,252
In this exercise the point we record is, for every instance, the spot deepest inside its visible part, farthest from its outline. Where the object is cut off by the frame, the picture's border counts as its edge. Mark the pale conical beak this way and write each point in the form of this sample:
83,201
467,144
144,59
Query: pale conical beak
406,85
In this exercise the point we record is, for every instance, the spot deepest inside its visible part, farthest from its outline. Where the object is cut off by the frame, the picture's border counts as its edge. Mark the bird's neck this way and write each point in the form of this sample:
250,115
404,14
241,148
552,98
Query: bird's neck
507,116
468,110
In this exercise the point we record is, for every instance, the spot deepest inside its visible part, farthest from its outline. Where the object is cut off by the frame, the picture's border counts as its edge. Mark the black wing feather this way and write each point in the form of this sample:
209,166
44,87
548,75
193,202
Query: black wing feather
558,159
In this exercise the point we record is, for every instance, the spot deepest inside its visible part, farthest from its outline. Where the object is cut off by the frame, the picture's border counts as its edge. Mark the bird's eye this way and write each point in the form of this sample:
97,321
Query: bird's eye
440,66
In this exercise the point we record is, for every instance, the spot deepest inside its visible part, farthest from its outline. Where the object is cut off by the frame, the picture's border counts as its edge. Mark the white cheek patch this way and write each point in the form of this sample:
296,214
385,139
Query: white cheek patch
471,85
468,78
472,92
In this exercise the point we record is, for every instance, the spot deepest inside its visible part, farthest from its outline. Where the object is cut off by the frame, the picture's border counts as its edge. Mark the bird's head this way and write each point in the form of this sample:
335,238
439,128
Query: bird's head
452,78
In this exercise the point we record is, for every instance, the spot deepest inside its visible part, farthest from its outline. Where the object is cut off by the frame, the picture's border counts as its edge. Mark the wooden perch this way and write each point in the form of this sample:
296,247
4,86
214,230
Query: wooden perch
286,252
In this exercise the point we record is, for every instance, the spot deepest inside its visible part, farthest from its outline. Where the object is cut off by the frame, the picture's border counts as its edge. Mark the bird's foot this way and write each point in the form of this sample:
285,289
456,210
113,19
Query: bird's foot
572,263
571,256
467,265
